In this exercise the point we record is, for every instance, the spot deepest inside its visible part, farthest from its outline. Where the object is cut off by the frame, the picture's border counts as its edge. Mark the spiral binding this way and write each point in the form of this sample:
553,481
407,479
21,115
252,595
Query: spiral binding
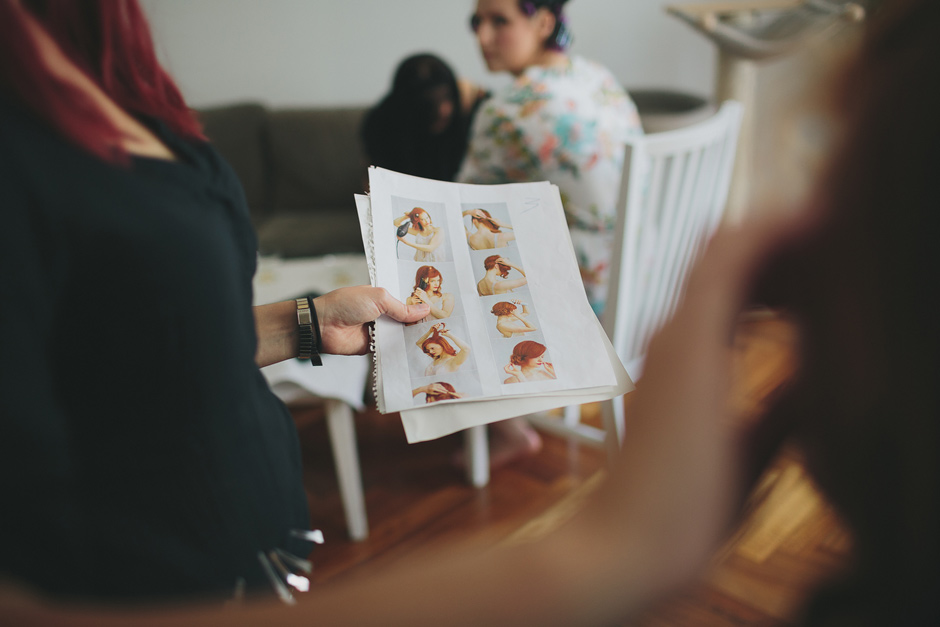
370,261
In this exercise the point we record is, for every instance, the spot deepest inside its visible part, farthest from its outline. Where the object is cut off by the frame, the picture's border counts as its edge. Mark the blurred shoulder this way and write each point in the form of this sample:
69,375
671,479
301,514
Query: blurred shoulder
596,75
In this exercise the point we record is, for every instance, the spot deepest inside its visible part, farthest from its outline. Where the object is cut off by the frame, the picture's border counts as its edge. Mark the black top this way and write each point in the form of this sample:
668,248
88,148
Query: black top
142,454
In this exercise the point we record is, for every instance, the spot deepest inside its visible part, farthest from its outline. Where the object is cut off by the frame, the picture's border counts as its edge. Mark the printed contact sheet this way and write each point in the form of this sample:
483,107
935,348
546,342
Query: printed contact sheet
508,314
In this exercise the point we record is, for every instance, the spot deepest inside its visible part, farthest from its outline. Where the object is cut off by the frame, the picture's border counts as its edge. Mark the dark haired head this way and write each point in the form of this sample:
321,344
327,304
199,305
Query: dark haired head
560,38
408,130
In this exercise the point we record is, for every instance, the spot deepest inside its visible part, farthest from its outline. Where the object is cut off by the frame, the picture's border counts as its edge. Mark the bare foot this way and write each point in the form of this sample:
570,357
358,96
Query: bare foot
509,440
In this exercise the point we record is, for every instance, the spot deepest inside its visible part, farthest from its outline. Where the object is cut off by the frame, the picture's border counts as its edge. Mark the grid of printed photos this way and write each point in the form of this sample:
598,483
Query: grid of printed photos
442,359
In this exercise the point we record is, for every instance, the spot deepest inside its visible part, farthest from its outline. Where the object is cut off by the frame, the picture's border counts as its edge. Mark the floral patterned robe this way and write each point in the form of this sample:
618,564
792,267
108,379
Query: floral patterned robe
566,125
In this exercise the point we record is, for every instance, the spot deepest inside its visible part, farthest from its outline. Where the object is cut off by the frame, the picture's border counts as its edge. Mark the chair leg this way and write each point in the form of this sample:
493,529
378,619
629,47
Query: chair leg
572,415
342,429
613,420
477,453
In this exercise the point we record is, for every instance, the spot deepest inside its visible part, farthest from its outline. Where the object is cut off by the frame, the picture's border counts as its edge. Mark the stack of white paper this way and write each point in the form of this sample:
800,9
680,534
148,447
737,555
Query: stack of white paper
510,330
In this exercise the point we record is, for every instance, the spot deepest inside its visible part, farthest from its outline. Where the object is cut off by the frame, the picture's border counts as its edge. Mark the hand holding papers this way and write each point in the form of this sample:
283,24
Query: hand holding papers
510,330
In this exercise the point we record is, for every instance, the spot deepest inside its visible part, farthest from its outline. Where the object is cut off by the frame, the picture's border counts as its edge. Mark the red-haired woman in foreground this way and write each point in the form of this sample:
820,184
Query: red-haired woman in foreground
160,465
866,408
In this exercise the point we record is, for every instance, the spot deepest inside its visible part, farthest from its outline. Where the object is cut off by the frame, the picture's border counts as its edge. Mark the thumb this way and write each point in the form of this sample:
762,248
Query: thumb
397,310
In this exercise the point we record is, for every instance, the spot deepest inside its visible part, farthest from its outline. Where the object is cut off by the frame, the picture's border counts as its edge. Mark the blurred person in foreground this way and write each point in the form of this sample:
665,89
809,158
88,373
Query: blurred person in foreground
864,405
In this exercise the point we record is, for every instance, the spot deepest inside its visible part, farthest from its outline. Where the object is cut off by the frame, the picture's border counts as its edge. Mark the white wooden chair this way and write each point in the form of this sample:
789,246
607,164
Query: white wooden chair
672,197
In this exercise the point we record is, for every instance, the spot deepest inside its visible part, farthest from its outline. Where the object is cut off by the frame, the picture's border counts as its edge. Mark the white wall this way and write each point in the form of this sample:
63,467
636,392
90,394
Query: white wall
343,52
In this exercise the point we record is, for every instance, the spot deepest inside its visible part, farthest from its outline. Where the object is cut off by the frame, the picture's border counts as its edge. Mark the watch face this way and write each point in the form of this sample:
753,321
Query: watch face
304,317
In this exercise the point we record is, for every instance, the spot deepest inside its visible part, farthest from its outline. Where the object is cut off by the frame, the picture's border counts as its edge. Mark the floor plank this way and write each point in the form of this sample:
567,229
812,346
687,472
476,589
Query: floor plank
416,497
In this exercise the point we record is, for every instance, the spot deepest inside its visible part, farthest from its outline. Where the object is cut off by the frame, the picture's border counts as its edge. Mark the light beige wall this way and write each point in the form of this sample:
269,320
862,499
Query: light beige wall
301,52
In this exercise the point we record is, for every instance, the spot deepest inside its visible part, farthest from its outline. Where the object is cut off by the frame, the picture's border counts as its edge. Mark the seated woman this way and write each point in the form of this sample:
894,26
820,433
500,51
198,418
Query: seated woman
444,357
439,391
427,291
510,321
428,238
563,119
488,231
526,363
496,280
420,127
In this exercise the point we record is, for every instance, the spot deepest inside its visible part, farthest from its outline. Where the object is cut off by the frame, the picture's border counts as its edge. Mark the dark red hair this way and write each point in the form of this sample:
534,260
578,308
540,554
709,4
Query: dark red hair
503,309
487,222
436,338
526,350
490,262
108,40
433,398
428,273
413,215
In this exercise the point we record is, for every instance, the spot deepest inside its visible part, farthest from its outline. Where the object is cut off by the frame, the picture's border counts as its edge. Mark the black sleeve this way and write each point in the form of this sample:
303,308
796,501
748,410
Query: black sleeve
36,469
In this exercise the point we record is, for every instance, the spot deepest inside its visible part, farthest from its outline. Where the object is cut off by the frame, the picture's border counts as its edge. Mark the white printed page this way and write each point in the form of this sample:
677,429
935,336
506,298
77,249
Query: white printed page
509,317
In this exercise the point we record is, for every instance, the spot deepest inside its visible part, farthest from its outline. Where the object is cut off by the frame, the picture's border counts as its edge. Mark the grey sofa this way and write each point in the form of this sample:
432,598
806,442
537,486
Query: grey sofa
301,167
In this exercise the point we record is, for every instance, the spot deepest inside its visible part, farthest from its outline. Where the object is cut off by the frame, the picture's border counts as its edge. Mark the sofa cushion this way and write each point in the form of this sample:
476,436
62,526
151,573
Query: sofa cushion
237,132
316,158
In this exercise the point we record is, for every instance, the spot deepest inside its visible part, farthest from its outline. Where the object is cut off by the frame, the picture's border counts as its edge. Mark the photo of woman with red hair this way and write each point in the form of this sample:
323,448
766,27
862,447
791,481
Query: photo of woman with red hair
427,291
437,391
444,357
427,237
496,278
527,363
511,318
488,230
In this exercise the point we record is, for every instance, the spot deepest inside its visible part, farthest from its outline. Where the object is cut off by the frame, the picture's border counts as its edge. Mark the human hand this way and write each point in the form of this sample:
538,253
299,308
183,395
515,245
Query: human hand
436,389
344,315
513,370
431,388
421,295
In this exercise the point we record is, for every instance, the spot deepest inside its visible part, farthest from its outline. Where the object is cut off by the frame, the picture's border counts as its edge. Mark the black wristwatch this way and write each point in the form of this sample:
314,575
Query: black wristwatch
309,329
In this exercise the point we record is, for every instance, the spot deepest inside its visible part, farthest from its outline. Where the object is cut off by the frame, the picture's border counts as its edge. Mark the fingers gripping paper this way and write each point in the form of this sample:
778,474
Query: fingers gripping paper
509,332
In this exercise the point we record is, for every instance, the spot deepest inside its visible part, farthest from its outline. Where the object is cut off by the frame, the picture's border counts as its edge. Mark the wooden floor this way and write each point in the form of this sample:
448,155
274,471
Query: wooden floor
416,497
